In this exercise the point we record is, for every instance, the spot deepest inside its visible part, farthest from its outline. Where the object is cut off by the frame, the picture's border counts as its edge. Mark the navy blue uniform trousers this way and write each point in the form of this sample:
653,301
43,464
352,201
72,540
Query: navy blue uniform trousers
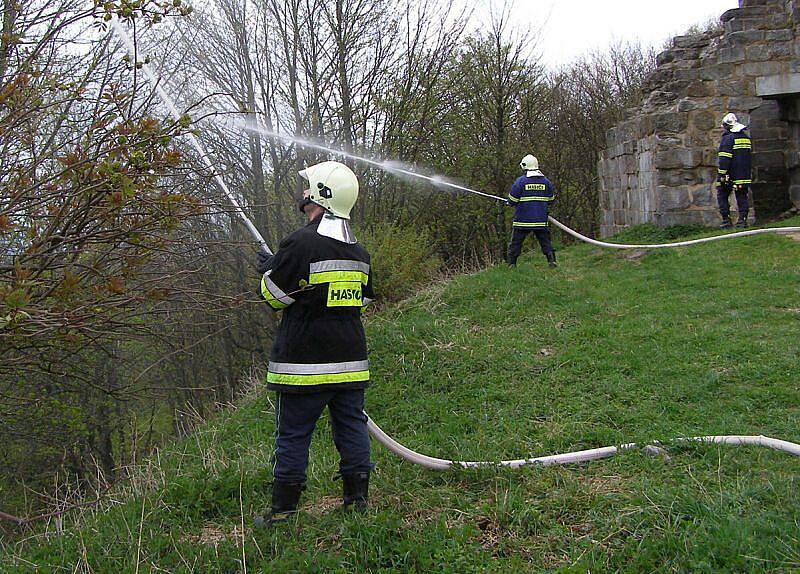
742,201
518,235
296,415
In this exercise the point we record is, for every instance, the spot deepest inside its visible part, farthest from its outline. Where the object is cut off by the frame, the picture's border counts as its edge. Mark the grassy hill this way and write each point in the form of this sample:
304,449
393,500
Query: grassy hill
611,347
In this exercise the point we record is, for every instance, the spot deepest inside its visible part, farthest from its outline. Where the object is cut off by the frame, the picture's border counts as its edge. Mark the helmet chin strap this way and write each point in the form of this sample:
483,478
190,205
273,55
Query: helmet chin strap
303,204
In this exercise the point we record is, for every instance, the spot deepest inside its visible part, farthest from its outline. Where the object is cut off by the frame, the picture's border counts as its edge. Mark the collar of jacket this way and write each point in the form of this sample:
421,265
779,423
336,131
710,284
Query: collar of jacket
316,220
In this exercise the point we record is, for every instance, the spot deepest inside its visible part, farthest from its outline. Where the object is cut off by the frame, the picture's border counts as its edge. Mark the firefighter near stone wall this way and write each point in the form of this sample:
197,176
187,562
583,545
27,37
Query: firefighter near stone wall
734,173
320,280
531,194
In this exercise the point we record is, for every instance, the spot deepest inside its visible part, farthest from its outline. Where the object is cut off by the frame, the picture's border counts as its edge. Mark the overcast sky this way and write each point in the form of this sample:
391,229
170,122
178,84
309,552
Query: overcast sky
575,27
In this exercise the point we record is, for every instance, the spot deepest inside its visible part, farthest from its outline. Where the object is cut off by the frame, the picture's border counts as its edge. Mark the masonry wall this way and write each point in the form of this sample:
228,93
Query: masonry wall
660,164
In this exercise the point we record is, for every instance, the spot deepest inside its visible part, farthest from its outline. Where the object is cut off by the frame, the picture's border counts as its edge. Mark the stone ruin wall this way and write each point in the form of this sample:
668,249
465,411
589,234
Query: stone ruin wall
660,164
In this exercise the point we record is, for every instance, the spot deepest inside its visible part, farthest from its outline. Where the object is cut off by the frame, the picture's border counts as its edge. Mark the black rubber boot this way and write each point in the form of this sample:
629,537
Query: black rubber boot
355,491
742,223
551,259
285,497
726,223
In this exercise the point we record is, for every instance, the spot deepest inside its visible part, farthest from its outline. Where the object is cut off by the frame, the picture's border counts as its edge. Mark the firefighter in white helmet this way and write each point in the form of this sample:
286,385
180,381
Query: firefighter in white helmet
531,193
735,168
320,278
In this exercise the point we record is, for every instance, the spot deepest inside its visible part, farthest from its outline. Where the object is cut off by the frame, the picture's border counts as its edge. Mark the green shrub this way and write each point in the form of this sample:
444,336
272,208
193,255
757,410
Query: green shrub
403,259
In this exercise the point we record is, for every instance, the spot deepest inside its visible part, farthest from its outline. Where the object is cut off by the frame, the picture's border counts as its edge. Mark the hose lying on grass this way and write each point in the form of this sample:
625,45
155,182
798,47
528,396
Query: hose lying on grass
676,243
433,463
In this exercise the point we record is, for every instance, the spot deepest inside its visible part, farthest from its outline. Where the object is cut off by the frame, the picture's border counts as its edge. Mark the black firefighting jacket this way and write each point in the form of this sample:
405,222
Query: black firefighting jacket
735,157
321,285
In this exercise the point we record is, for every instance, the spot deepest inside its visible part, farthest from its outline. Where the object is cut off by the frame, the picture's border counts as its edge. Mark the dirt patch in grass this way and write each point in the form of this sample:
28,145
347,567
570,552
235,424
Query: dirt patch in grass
215,534
634,254
322,505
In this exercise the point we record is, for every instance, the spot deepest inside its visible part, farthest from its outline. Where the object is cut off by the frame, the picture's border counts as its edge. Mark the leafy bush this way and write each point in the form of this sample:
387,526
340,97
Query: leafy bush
403,259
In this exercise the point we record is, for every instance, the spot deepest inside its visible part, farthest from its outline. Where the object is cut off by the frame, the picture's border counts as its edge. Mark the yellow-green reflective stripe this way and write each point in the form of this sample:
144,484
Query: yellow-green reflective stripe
283,379
337,276
275,304
742,147
535,199
522,224
273,301
512,198
725,154
741,141
722,171
743,181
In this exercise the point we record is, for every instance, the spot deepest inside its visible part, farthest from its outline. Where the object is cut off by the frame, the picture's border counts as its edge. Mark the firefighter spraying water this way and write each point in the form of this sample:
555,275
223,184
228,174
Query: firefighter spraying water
320,278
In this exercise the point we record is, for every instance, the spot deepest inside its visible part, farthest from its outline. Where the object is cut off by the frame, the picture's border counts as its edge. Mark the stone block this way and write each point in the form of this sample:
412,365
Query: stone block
758,53
703,120
701,89
759,131
794,194
665,57
778,35
671,122
775,21
737,25
769,159
673,198
679,218
774,145
691,41
764,68
744,103
702,196
778,84
679,177
780,50
646,161
660,98
685,75
716,72
771,175
669,159
744,37
688,104
747,11
730,55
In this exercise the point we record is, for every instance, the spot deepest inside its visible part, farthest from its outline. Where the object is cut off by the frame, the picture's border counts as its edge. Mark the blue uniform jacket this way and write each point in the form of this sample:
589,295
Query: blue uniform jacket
531,195
735,157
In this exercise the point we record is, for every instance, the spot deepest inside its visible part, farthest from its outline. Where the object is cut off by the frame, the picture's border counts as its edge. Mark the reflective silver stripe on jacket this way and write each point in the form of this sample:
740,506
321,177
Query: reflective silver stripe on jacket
276,291
339,265
318,368
366,301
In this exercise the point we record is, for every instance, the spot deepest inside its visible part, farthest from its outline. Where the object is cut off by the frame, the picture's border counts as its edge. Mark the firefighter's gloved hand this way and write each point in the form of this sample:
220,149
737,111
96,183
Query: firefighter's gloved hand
263,263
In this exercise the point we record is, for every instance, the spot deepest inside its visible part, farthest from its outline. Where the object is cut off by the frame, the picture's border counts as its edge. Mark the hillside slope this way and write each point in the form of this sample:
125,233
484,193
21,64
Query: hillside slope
609,348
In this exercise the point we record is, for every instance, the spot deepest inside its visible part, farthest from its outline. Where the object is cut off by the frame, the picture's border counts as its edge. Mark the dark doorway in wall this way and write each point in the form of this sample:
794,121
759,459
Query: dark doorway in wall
790,112
769,129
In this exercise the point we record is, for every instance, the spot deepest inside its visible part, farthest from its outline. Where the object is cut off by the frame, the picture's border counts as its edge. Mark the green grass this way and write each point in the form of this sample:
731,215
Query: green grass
611,347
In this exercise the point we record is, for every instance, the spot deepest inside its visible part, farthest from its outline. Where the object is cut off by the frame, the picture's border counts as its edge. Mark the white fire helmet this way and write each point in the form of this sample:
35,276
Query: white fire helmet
529,163
332,185
731,122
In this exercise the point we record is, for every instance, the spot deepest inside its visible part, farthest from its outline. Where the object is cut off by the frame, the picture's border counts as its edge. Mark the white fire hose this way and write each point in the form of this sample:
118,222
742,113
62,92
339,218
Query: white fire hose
433,463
